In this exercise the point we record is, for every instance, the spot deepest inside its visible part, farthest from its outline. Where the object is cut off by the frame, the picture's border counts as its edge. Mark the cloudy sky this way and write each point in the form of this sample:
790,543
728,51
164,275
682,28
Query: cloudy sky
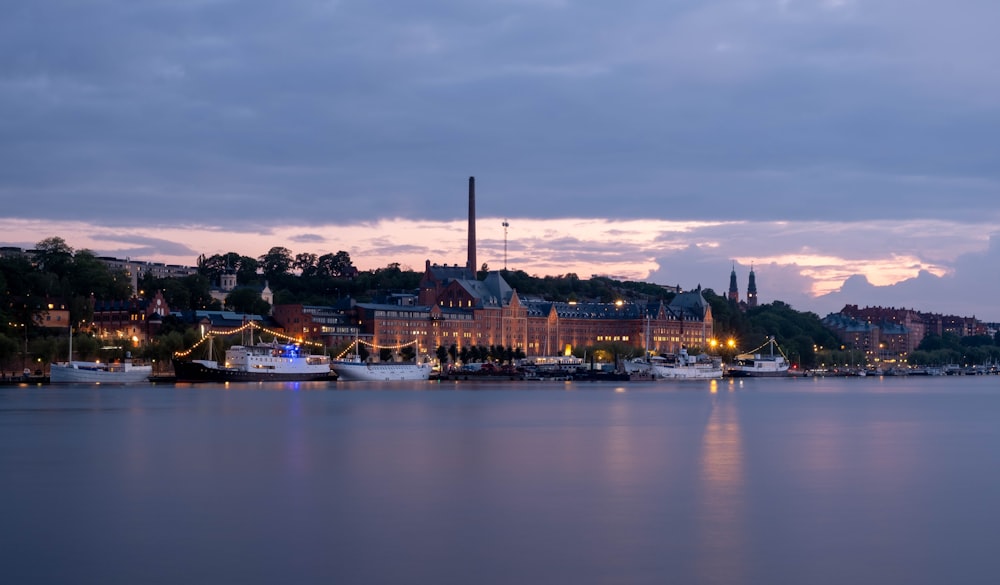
847,149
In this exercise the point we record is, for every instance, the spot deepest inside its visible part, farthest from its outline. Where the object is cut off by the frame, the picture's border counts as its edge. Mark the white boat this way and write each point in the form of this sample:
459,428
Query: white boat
81,372
679,367
77,372
354,369
639,365
758,365
263,362
685,367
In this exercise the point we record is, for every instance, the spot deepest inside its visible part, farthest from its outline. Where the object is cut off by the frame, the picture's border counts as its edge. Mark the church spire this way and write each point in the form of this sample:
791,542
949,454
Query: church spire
752,289
734,292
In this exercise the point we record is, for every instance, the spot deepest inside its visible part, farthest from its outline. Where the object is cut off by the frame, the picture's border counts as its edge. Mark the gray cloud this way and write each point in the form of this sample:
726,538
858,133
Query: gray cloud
241,110
252,114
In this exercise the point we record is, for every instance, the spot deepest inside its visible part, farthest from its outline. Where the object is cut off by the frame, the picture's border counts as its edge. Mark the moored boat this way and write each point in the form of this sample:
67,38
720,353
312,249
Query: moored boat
84,372
686,367
263,362
759,365
354,369
80,372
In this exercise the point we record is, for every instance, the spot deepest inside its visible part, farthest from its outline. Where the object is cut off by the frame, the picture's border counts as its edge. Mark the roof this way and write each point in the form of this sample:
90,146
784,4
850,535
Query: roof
691,302
445,273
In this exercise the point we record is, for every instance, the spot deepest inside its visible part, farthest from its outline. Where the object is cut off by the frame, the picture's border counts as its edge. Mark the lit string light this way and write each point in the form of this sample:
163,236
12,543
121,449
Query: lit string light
396,347
248,325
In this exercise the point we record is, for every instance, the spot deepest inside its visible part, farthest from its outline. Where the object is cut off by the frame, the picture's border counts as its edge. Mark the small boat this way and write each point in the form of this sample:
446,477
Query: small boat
354,369
82,372
758,365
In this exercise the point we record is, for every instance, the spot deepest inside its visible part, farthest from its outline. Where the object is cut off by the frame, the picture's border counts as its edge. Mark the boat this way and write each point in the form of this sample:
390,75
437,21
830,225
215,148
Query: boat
685,367
83,372
79,372
639,365
759,365
261,362
353,369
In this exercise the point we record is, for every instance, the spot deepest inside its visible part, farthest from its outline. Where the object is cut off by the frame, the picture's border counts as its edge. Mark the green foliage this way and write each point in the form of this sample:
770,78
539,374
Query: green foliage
247,300
277,262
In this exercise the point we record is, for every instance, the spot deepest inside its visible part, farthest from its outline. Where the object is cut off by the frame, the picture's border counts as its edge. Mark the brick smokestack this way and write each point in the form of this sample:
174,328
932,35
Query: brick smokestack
471,266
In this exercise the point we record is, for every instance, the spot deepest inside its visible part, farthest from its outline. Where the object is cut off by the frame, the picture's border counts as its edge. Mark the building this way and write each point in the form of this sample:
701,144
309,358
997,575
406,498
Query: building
331,326
454,307
135,320
137,270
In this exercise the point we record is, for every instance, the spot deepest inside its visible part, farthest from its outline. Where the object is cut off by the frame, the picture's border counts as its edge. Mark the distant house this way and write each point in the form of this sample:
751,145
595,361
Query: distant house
136,319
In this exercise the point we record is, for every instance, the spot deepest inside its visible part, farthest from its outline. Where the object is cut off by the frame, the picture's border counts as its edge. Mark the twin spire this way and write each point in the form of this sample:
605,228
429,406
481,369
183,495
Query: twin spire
734,292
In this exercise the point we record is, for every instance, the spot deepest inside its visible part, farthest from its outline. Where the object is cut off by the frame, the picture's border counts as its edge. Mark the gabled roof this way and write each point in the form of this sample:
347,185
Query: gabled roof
498,286
446,273
691,302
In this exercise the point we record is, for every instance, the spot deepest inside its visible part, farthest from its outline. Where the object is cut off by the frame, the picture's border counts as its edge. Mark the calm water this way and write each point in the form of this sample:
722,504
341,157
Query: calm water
784,481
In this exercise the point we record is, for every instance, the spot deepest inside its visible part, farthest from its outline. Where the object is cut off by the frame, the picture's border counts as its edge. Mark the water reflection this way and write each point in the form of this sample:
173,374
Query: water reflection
721,532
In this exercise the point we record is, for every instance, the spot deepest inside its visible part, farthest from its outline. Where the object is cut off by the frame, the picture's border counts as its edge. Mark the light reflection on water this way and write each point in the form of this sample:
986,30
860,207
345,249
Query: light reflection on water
749,481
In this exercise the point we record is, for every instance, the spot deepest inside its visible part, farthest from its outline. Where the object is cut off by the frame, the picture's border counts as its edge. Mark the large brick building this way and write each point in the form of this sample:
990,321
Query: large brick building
889,333
455,308
467,312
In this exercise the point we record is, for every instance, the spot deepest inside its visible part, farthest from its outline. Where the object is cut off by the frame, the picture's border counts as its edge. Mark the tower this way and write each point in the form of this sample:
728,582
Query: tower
752,289
734,292
471,263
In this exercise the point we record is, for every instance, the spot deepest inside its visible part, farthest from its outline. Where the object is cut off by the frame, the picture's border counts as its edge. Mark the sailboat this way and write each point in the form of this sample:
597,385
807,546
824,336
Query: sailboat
80,372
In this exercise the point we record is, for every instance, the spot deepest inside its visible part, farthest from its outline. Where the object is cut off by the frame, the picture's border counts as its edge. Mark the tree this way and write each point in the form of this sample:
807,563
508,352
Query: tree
407,353
54,255
247,300
442,354
215,266
89,276
277,262
305,262
336,265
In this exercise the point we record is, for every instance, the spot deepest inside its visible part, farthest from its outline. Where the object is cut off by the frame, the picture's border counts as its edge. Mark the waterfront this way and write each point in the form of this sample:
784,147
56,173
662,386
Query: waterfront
822,480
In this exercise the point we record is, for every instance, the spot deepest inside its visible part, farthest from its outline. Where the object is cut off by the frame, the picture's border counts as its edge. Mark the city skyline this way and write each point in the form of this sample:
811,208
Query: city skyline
845,149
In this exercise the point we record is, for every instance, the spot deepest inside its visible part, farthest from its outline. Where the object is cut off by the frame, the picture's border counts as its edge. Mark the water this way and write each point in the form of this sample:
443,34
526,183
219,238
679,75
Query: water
761,481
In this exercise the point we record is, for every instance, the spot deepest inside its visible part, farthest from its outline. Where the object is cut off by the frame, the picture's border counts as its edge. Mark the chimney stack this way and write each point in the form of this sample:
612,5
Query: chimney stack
471,266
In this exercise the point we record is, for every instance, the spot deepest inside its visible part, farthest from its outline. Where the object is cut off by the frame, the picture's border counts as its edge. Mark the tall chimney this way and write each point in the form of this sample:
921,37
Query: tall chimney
471,266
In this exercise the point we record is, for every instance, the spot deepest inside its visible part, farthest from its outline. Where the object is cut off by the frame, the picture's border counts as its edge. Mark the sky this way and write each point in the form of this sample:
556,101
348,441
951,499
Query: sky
847,150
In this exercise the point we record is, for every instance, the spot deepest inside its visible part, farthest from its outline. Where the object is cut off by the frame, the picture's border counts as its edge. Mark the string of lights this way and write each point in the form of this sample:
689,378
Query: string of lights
396,347
248,325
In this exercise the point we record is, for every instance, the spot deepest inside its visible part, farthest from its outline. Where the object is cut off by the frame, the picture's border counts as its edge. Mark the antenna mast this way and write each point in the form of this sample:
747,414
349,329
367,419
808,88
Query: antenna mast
505,226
